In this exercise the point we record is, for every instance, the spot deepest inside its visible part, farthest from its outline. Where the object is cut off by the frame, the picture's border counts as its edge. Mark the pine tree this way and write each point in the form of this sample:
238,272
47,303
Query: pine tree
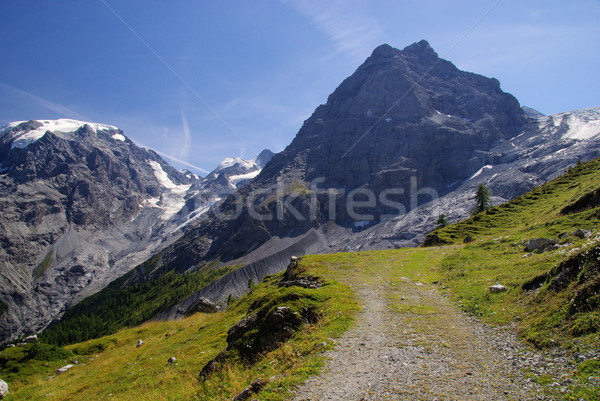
441,222
482,199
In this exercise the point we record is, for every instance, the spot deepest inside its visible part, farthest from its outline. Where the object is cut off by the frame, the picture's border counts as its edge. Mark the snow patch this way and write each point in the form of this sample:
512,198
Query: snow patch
161,176
60,126
230,162
581,128
235,179
118,137
478,172
172,200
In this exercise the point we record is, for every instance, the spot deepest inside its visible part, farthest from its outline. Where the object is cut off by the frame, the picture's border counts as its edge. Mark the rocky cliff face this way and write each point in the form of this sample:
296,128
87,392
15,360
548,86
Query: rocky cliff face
80,205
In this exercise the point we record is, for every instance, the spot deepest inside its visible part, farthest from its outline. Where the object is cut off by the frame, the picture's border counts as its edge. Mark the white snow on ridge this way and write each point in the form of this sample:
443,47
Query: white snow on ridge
118,137
487,166
63,125
235,179
230,162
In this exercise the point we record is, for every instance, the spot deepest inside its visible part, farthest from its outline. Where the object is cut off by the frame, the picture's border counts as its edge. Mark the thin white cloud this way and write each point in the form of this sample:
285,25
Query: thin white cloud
43,103
181,161
347,23
186,143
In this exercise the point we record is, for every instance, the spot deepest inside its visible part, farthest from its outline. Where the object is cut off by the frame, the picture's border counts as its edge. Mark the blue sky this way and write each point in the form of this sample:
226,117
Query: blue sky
203,80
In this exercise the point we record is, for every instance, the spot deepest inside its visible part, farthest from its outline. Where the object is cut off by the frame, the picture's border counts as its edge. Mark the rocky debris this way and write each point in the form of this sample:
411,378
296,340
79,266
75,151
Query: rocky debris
292,277
202,305
569,270
260,332
253,388
10,345
31,339
263,331
305,282
540,244
139,343
172,360
213,365
64,369
496,288
3,389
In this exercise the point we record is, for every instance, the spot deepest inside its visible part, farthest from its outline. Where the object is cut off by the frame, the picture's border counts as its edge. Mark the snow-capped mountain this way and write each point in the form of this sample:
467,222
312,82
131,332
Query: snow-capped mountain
235,172
82,205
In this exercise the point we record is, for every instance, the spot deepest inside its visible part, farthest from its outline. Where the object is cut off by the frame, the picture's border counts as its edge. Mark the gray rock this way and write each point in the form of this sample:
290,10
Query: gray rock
64,369
540,244
496,288
202,305
3,389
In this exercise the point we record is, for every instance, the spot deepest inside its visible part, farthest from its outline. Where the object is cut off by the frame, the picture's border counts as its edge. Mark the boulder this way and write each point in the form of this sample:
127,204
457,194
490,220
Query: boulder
172,360
3,389
497,288
203,305
64,369
140,343
581,233
540,244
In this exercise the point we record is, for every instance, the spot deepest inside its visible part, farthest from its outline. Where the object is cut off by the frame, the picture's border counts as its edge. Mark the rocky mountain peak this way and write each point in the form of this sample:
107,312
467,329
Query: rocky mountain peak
418,51
264,157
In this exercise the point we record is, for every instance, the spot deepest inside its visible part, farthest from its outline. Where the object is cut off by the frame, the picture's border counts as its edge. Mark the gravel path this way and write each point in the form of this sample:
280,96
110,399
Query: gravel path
419,347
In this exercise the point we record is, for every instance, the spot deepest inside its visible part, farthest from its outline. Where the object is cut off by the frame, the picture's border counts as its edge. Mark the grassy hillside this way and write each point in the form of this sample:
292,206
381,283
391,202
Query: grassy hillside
113,367
552,294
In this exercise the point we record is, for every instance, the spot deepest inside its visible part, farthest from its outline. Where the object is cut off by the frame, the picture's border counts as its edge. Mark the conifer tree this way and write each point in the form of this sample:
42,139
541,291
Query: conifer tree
483,199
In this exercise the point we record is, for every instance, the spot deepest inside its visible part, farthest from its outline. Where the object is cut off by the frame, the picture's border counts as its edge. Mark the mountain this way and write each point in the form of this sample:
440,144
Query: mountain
81,205
406,137
232,173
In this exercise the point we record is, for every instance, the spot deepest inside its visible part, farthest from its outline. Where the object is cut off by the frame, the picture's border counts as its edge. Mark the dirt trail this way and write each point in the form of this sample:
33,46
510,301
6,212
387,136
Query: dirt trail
416,347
